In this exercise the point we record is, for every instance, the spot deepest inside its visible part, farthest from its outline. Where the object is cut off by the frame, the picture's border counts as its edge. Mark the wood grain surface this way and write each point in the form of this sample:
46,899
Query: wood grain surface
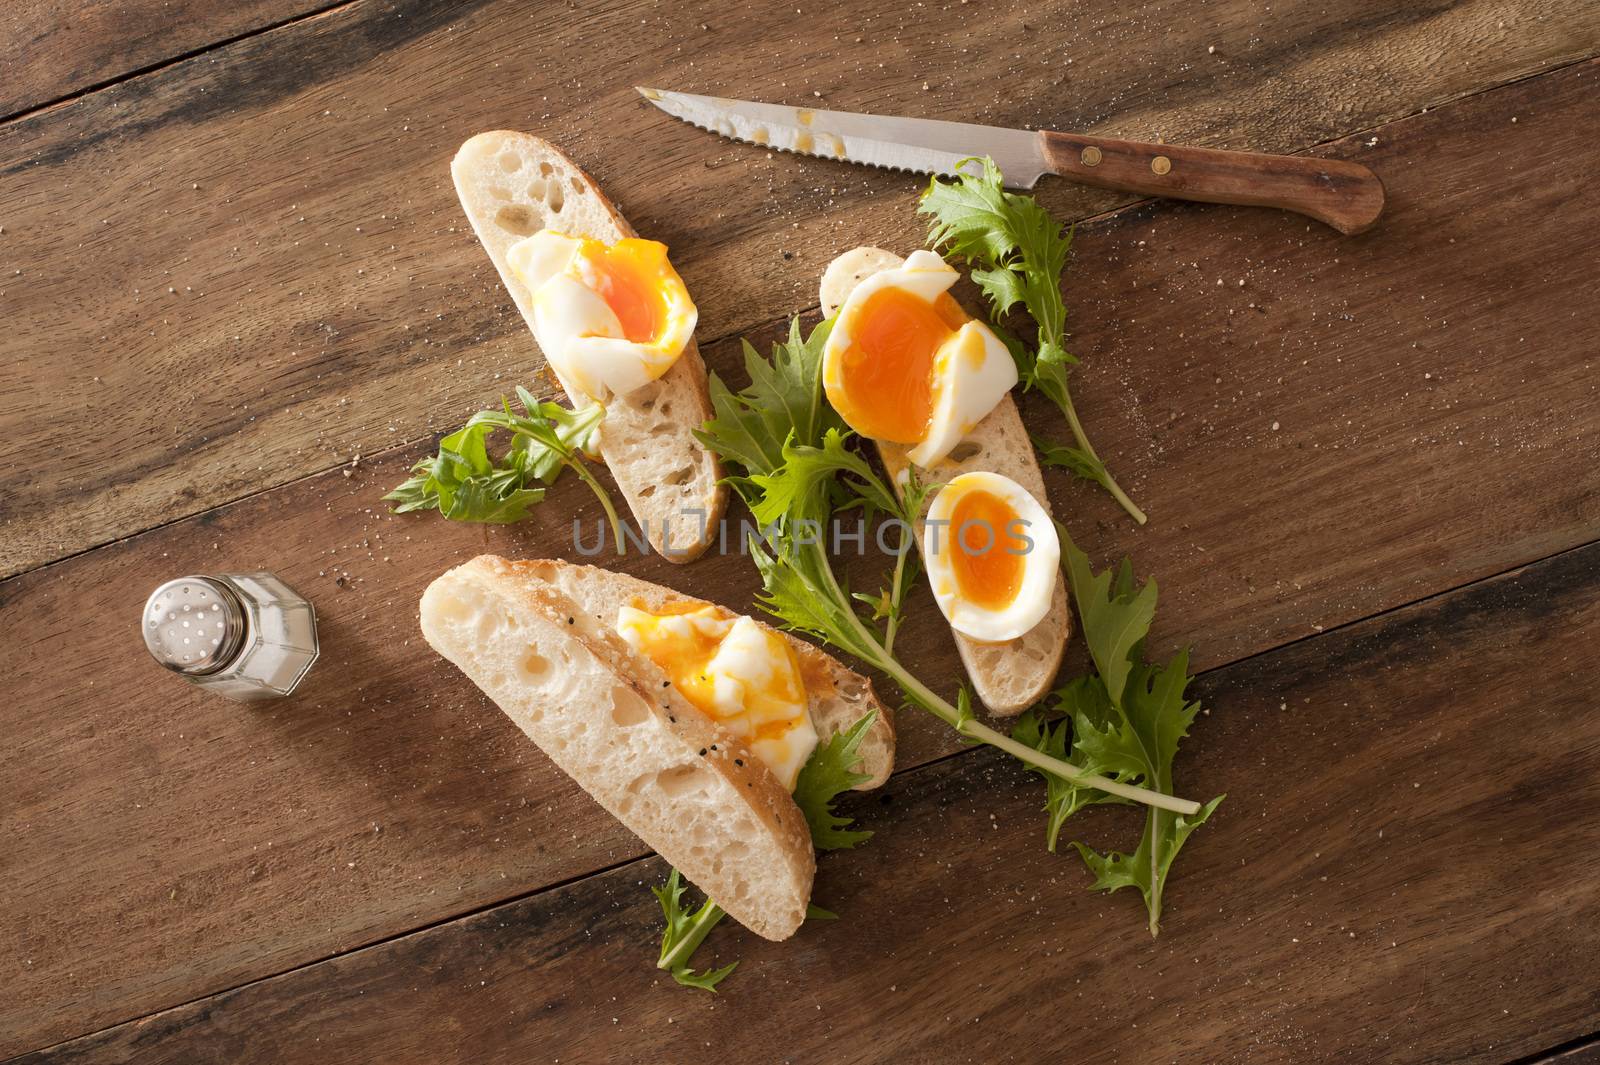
1382,884
265,238
50,50
1435,424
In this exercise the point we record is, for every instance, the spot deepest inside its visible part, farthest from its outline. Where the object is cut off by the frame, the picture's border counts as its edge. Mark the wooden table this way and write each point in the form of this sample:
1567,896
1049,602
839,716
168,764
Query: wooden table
239,299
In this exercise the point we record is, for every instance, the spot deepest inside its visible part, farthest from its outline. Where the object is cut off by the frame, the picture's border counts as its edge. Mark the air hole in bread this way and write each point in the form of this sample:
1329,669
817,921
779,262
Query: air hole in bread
510,162
682,781
453,609
554,196
517,218
545,170
678,476
488,624
965,450
647,491
534,665
666,408
577,185
499,192
628,707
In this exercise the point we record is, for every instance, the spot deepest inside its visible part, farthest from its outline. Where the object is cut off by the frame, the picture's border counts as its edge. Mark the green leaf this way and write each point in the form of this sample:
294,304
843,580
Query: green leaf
706,981
817,913
464,482
830,770
1072,459
1147,867
1128,721
1115,619
684,933
783,404
1063,798
1016,253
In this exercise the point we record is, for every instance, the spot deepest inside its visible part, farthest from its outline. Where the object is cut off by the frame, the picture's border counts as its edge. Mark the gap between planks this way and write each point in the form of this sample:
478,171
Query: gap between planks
51,104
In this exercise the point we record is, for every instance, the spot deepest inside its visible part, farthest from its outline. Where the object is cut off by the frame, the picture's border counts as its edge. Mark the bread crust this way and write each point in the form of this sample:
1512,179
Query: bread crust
1012,675
611,720
672,483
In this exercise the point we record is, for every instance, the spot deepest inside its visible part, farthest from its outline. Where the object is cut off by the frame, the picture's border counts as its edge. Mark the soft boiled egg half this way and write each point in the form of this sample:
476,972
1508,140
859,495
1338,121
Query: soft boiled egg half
904,363
992,555
609,317
737,672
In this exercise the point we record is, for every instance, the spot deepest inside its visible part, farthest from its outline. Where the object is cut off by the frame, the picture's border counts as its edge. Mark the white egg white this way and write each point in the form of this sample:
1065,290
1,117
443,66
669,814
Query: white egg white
579,333
1041,559
972,371
752,680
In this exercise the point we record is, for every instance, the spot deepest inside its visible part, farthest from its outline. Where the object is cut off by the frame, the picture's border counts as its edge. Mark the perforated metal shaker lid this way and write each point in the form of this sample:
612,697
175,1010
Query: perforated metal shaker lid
193,625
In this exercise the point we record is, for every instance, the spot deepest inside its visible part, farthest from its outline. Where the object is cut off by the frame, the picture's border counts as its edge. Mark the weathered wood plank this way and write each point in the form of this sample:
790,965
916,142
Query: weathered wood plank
222,844
1586,1054
1384,883
265,236
50,50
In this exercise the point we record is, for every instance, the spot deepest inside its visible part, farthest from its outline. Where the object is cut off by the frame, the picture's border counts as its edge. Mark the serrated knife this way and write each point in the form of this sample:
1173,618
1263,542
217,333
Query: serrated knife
1347,196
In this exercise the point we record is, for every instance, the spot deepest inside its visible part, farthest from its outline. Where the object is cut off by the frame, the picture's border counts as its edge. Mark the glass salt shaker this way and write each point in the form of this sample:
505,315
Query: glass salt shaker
246,636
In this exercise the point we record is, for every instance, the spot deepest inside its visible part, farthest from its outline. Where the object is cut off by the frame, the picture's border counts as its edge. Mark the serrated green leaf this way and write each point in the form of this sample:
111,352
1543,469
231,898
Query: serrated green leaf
1115,620
1129,720
1016,253
706,981
684,933
1063,797
464,482
830,771
1147,867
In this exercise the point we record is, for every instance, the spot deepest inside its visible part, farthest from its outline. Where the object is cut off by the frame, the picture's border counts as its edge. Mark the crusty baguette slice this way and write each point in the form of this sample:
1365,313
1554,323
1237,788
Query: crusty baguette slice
608,719
1011,676
511,186
838,697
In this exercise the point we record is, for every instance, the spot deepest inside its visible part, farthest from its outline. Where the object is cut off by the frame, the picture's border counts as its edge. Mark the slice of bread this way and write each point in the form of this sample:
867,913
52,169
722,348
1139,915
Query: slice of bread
608,718
1011,676
837,697
511,186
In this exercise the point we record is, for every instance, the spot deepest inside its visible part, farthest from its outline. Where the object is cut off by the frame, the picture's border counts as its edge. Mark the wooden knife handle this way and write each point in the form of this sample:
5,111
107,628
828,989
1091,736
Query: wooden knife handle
1347,196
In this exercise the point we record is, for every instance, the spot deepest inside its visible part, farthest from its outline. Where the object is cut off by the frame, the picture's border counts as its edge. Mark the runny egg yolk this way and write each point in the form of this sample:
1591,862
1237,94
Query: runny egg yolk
629,276
740,674
988,560
886,374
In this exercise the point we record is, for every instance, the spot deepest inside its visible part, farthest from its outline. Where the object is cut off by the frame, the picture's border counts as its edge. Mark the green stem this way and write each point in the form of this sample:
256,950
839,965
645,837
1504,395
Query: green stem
699,927
1064,401
576,465
865,646
895,594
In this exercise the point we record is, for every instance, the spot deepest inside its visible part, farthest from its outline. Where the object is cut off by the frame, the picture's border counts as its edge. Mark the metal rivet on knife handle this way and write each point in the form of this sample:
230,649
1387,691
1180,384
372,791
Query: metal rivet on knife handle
1161,164
1090,156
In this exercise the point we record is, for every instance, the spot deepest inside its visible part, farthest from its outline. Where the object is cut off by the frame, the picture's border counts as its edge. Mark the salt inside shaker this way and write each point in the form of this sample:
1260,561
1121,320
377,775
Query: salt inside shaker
246,636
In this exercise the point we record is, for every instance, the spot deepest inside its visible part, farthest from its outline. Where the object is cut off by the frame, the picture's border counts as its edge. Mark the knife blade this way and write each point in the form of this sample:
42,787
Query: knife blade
1347,196
918,145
